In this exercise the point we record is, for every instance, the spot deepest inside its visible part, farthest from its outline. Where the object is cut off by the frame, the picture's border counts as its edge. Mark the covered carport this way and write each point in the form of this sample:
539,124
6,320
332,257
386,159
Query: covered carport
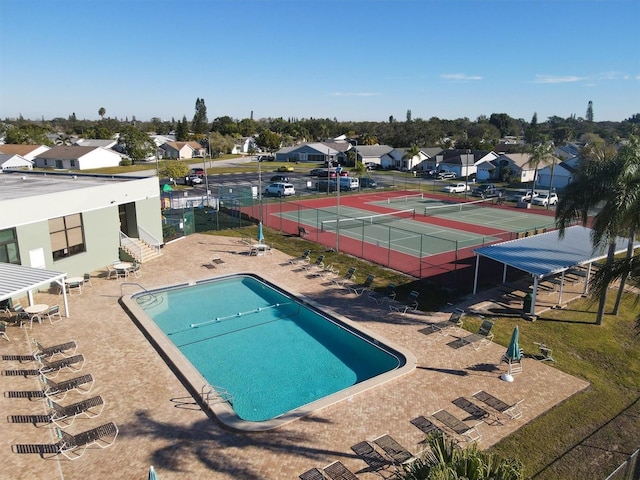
545,256
16,280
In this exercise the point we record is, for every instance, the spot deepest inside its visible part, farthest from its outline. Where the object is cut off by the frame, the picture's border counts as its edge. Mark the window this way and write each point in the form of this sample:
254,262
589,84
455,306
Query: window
67,236
9,252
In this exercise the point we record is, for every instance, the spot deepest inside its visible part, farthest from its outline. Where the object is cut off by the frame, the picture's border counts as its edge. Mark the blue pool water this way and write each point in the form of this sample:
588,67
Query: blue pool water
271,352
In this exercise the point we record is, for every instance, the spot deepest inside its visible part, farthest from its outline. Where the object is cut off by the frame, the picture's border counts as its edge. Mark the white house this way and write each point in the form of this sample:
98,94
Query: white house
183,150
378,154
14,162
26,151
515,166
74,157
562,172
462,162
401,162
245,145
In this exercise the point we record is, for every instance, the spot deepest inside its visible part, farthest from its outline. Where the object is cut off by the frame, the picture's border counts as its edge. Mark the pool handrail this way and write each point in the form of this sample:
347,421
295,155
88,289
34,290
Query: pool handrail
219,394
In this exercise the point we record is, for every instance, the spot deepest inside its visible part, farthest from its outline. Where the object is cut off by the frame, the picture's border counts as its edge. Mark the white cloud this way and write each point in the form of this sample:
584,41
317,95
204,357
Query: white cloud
558,79
460,76
354,94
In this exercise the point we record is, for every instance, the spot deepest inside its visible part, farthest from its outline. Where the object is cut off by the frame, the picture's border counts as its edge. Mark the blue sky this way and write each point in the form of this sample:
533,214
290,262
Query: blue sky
349,59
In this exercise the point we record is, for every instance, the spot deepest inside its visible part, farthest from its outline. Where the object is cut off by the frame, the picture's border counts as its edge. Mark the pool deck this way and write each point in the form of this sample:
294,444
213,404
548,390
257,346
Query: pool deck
162,425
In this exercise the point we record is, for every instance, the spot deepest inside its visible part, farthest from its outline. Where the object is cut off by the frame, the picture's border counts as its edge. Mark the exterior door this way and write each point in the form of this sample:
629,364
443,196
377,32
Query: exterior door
128,220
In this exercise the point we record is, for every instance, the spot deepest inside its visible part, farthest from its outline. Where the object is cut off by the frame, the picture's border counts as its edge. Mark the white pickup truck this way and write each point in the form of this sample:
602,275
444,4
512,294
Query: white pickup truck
457,188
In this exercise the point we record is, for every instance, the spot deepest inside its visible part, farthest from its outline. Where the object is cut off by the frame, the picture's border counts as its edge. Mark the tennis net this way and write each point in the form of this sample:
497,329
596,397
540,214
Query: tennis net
406,198
457,207
359,222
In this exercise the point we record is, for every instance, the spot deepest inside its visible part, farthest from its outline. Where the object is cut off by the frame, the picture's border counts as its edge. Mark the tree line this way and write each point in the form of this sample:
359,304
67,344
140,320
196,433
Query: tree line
484,133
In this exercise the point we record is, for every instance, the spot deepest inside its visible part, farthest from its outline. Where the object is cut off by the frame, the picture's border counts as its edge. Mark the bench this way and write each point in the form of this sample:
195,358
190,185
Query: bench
302,232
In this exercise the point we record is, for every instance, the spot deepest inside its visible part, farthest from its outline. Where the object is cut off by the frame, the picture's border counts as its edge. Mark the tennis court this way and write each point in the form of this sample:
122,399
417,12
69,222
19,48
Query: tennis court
404,230
474,212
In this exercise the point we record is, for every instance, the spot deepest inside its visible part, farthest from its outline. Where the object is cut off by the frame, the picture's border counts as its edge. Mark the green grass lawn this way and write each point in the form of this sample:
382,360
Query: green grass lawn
590,434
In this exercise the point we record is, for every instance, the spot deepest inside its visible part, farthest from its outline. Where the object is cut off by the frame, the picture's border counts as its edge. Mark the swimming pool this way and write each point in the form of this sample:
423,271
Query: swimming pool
272,356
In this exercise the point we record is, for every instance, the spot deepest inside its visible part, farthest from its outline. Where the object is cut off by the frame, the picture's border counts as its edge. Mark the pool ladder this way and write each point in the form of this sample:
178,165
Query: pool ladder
212,395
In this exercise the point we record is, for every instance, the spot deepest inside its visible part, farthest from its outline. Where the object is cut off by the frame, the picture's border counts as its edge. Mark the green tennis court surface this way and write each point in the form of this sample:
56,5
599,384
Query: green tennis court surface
474,212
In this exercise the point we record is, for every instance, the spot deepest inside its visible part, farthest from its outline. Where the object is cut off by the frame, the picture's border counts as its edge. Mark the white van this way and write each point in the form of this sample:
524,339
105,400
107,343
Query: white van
349,183
280,189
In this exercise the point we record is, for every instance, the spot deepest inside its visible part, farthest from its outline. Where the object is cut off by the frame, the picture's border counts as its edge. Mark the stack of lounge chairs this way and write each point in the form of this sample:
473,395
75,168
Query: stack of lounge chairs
51,361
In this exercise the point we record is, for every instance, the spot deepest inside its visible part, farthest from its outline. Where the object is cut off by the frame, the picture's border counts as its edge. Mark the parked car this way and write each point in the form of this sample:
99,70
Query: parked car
194,180
285,168
279,178
446,174
545,199
372,166
485,191
198,172
280,189
429,173
316,172
368,182
520,196
460,187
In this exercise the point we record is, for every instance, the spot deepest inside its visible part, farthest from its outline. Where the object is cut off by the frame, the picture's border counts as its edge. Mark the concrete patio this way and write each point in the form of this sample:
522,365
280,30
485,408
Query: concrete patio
162,424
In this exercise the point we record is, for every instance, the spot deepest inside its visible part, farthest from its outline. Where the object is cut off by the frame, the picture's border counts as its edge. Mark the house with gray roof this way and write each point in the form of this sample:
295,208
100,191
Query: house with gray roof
418,162
514,166
74,157
14,162
560,175
315,152
378,154
462,162
96,142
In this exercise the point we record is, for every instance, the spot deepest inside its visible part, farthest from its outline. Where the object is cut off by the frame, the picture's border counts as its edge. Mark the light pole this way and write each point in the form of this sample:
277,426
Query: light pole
204,165
260,186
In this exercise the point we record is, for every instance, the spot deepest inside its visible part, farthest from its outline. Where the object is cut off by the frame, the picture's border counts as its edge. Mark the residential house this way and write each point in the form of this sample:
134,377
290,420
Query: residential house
245,145
312,152
377,154
464,163
558,175
179,150
26,151
74,222
14,162
513,166
95,142
75,157
419,162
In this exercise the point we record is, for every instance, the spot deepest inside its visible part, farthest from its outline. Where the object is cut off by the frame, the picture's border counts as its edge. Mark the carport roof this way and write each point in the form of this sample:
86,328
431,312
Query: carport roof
17,279
547,254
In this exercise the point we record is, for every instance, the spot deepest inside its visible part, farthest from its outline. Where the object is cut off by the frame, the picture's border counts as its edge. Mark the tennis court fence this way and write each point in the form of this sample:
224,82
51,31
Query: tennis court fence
417,254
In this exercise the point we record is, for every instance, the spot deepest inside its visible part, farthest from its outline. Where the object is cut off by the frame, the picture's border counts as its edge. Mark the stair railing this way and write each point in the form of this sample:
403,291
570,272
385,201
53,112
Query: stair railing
132,247
149,239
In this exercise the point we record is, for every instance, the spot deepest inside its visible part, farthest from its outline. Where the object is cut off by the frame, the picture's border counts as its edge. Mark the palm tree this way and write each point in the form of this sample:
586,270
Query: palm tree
102,112
628,197
541,154
412,152
444,460
609,180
